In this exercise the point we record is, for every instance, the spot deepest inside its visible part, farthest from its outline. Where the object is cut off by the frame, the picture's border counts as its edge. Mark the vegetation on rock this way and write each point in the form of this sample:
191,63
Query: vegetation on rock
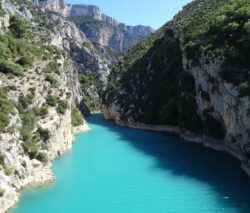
62,106
76,116
6,108
2,191
150,84
219,29
9,170
86,22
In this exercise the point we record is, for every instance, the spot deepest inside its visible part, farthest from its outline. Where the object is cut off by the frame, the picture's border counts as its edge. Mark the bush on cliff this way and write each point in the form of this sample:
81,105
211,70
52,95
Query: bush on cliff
2,191
9,171
43,157
76,116
2,13
26,61
6,108
52,67
11,68
31,148
51,100
52,80
18,26
1,158
44,134
62,106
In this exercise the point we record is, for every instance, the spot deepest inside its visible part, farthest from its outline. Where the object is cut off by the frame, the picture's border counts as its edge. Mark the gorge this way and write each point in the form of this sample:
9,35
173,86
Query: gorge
190,77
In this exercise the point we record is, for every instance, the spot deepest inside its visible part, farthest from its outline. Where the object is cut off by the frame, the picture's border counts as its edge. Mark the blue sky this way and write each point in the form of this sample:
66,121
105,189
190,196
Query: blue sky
152,13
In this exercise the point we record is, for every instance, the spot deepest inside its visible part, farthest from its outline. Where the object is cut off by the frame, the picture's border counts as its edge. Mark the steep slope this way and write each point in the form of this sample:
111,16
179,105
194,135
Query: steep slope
42,58
192,77
98,27
109,32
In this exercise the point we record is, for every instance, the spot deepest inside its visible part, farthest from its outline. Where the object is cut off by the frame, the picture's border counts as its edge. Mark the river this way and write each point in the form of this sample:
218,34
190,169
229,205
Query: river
112,169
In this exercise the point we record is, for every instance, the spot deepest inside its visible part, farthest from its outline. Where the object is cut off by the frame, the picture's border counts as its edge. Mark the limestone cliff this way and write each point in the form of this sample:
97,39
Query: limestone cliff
191,75
42,56
97,26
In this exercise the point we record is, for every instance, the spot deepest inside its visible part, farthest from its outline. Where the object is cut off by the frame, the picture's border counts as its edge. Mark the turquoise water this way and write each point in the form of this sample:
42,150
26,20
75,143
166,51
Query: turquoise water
120,170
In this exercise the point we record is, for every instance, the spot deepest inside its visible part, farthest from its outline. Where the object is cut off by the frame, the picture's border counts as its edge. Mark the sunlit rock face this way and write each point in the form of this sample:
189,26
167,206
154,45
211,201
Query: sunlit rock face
97,26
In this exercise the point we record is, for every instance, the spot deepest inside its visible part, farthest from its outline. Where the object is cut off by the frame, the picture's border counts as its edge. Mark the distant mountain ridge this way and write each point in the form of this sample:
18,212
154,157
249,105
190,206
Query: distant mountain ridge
97,26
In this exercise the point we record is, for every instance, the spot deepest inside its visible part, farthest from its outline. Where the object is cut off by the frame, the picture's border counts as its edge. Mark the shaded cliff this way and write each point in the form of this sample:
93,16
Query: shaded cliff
192,74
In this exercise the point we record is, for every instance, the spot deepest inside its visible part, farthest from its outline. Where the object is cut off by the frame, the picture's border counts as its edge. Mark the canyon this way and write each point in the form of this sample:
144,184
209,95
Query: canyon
59,61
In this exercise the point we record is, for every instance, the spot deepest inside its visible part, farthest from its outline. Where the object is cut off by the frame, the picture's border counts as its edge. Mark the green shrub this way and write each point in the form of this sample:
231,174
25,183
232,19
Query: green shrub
18,26
26,134
88,79
12,48
2,13
52,100
44,134
52,67
52,80
28,119
26,61
20,2
86,22
4,50
31,149
11,68
6,107
89,103
4,121
42,111
76,117
9,171
1,158
43,157
62,107
68,95
12,87
28,124
2,191
25,101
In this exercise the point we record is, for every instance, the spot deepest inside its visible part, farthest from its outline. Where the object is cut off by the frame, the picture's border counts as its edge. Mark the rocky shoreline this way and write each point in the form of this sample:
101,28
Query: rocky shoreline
218,145
41,175
80,129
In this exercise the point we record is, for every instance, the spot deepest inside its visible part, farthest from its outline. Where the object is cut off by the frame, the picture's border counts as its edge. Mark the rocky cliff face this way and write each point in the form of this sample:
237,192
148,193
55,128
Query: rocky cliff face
98,27
42,56
189,78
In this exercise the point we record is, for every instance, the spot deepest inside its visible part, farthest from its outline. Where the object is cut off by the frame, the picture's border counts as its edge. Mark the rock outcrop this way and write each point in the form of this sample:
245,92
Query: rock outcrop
97,26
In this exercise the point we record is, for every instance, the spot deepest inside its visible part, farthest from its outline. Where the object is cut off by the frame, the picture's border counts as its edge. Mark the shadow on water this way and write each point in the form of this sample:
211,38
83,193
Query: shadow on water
181,158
